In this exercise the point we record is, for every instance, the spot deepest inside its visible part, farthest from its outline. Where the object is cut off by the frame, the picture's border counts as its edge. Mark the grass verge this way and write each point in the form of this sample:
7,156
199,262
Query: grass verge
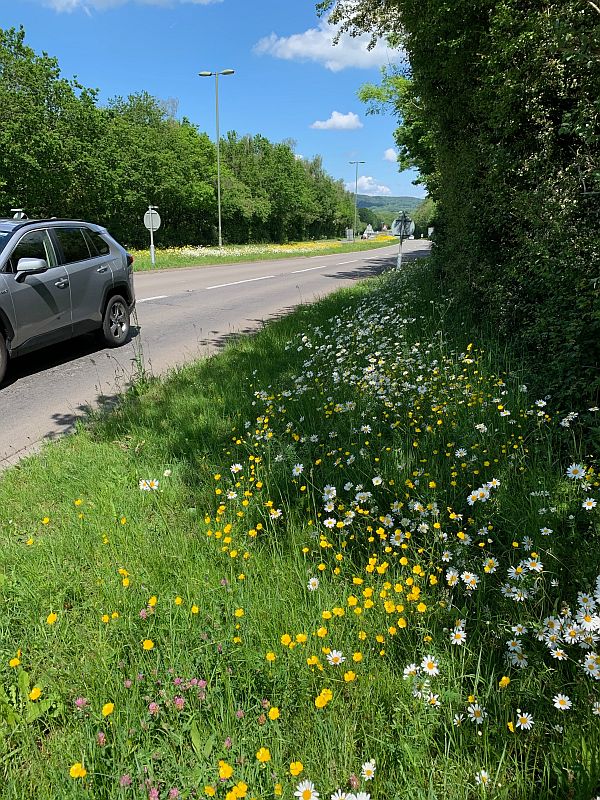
347,555
173,257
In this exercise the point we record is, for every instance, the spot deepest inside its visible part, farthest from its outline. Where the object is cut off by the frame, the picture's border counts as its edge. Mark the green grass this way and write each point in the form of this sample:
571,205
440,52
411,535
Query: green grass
173,257
377,386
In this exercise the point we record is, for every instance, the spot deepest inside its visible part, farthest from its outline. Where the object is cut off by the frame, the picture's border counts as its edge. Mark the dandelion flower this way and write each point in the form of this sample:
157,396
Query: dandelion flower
107,709
51,618
78,770
263,755
225,770
148,644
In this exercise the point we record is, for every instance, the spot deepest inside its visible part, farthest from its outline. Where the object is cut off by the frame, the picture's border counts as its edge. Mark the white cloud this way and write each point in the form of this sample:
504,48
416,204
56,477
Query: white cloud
390,155
338,122
101,5
316,44
368,185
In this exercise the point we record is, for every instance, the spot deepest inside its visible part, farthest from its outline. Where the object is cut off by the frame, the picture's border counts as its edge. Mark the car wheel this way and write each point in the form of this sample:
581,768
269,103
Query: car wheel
115,324
3,357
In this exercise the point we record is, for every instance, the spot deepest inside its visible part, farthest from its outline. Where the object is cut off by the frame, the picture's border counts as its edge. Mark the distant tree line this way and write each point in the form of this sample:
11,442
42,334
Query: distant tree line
499,109
64,155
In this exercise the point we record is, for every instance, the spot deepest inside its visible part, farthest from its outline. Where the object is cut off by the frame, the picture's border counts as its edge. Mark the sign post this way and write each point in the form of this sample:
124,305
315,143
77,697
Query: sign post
403,227
152,223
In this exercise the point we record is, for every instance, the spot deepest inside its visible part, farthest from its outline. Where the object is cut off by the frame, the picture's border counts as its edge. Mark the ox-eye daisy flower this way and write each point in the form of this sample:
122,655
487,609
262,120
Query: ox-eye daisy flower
562,702
430,666
306,791
335,657
576,472
368,770
482,778
524,720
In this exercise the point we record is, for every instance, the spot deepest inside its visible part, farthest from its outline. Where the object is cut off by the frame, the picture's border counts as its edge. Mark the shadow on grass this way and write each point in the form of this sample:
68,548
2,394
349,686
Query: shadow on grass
191,417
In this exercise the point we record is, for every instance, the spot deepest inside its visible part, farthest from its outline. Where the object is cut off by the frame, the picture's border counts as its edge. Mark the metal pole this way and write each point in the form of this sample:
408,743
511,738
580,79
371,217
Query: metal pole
402,224
218,158
356,201
152,252
356,197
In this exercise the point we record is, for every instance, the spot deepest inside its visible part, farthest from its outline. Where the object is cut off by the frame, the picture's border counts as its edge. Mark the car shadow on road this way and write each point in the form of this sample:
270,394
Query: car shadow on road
59,354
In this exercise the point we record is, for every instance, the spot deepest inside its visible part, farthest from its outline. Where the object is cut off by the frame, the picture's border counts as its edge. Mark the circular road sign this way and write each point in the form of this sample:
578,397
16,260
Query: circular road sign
152,220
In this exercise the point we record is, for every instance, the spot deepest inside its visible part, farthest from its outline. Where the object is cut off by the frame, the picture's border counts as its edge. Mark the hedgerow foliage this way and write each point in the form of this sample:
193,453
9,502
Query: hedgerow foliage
509,95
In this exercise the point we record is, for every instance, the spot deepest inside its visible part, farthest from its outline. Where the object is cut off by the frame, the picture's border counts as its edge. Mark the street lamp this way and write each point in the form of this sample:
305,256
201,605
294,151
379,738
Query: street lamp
209,75
356,194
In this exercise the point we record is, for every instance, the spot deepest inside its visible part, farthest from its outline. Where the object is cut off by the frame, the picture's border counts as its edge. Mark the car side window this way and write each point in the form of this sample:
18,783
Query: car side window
73,244
96,243
35,244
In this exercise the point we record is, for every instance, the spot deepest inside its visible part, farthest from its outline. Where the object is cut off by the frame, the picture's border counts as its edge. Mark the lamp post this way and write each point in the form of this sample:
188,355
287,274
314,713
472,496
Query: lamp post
209,75
356,195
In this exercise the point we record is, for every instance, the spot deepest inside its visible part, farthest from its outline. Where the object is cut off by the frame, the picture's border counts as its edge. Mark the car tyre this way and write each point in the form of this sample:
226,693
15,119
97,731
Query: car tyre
3,357
116,321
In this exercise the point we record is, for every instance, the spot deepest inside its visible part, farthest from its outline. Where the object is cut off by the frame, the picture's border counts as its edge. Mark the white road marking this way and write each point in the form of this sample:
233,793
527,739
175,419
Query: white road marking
309,269
235,283
147,299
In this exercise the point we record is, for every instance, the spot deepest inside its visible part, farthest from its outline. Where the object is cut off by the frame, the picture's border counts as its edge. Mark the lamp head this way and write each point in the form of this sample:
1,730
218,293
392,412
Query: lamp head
227,72
205,74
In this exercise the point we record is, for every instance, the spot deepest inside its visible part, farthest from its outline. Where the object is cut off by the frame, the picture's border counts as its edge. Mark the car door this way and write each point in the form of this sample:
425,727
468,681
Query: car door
89,274
42,302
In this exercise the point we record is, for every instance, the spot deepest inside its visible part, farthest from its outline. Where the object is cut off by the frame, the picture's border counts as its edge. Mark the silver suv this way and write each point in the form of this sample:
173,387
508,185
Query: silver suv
58,279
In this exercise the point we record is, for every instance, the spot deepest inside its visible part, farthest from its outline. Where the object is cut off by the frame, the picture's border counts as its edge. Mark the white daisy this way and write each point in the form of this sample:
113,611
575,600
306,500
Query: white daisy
524,720
562,702
368,770
335,658
306,791
430,666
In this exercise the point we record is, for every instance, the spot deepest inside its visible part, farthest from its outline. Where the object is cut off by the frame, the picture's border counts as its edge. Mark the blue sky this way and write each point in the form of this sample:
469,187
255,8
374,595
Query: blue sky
290,81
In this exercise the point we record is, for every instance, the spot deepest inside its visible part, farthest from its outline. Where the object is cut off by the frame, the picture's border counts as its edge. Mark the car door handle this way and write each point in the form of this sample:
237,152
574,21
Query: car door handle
102,269
62,283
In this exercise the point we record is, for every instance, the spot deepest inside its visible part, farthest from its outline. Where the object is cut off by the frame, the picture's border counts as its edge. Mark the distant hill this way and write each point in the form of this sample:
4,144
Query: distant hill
389,205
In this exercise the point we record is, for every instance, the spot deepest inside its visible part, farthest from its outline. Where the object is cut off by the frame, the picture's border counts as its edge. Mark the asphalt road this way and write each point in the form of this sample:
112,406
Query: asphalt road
182,315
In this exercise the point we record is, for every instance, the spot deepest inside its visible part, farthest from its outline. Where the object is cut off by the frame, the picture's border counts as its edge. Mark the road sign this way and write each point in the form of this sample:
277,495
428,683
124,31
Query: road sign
152,219
152,222
403,226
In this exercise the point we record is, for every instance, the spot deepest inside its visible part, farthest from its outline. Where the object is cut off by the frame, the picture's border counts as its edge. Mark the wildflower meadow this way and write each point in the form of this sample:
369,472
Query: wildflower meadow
351,557
170,257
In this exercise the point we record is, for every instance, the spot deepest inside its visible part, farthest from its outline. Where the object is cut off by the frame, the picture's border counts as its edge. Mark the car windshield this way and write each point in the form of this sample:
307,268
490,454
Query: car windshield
4,237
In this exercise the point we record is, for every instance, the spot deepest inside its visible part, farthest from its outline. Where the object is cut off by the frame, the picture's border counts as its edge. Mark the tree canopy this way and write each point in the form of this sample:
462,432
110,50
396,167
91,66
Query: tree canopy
63,154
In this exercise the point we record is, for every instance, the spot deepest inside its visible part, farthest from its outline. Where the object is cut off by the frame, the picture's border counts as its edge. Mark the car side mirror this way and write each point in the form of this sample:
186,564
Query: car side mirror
31,266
